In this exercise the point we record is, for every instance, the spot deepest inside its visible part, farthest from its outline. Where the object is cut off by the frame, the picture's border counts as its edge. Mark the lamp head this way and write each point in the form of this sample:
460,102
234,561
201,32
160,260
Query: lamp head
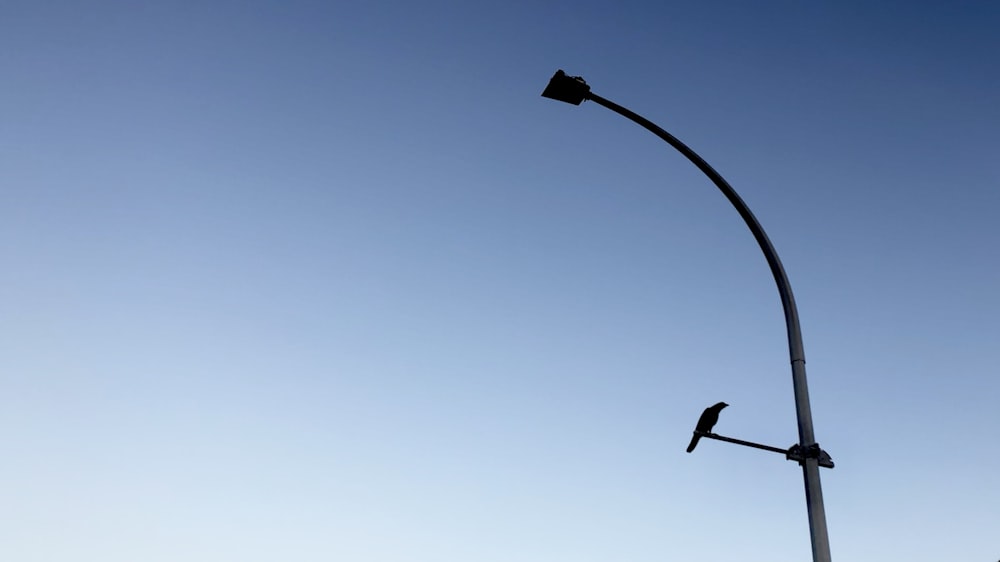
570,89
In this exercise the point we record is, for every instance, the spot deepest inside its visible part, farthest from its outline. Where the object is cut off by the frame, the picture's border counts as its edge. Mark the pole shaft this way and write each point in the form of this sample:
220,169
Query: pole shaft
810,468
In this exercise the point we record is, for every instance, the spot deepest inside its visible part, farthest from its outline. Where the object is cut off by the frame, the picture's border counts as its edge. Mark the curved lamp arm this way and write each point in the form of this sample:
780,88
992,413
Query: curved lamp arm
574,90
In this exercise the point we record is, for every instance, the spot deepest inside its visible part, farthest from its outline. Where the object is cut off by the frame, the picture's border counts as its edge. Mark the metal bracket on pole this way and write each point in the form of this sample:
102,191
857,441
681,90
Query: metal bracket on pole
795,453
799,454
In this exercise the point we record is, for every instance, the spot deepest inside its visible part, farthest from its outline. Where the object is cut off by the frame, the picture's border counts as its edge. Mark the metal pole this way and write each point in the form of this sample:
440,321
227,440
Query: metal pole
810,465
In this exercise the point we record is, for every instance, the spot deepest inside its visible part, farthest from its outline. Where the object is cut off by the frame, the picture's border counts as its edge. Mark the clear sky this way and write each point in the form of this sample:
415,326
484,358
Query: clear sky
315,281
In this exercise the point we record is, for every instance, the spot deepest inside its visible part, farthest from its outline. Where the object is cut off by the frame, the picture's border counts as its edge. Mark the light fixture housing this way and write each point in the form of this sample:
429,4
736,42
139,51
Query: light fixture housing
570,89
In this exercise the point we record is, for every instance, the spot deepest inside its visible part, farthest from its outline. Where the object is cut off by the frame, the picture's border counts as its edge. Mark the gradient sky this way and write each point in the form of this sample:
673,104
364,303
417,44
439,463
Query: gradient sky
313,281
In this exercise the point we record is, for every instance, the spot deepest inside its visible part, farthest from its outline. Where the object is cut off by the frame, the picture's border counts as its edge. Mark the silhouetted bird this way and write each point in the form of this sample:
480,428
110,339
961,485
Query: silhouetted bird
705,423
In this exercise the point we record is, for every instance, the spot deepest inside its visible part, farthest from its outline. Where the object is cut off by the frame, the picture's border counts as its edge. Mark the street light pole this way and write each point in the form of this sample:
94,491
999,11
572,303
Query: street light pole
574,90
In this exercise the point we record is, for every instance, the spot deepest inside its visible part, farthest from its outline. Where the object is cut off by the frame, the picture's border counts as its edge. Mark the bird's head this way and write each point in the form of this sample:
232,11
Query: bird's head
720,406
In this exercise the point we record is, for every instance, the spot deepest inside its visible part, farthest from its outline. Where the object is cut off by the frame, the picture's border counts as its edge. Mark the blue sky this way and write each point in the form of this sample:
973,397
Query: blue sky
330,281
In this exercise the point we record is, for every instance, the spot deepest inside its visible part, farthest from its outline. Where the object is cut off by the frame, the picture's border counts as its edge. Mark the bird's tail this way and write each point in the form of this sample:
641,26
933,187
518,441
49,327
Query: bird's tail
694,442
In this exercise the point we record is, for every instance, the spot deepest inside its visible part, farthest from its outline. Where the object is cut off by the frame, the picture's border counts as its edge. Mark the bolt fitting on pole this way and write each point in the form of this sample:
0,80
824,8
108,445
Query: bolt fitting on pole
799,454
